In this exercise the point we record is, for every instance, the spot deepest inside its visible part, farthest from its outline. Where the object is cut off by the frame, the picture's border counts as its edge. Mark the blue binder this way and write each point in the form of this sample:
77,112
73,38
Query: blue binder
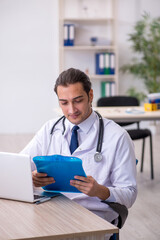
97,63
68,34
99,59
112,63
62,169
71,35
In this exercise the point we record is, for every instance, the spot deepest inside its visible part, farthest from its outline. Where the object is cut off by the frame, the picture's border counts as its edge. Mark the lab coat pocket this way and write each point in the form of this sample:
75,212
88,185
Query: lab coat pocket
98,170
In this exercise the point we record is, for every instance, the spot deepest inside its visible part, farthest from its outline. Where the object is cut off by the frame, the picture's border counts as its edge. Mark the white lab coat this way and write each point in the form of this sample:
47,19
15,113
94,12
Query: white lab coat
117,170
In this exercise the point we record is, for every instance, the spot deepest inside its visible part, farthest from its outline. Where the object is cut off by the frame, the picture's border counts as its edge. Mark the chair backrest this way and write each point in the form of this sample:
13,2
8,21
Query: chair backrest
121,210
117,101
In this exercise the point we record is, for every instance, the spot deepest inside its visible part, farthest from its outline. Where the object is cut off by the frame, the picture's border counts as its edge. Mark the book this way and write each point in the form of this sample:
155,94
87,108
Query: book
62,169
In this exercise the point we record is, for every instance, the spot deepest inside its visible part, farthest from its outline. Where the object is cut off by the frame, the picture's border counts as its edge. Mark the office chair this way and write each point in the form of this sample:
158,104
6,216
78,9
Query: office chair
135,134
122,216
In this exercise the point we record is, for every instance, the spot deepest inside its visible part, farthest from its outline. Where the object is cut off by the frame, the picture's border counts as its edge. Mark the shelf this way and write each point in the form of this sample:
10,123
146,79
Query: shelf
102,77
88,48
88,20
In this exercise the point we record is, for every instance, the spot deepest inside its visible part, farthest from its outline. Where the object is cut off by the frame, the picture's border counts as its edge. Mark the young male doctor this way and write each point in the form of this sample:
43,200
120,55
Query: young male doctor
114,177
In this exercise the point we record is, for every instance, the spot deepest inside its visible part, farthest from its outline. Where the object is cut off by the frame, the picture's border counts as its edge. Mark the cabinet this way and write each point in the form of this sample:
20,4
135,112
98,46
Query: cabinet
94,24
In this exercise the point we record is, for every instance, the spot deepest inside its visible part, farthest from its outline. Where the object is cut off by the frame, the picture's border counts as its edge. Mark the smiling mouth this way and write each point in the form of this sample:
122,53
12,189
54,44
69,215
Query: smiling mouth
74,115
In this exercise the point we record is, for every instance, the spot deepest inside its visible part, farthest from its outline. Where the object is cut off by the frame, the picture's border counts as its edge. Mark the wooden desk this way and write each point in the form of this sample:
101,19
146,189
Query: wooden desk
59,218
119,114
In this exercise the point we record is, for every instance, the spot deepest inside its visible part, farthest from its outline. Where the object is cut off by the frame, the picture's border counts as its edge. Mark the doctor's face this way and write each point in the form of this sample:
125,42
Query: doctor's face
74,102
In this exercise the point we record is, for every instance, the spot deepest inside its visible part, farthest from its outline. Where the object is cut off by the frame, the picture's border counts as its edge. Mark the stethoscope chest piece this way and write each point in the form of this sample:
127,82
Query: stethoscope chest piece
98,157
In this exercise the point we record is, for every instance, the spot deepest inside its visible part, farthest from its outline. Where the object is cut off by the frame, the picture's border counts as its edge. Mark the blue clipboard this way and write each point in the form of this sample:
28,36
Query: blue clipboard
62,169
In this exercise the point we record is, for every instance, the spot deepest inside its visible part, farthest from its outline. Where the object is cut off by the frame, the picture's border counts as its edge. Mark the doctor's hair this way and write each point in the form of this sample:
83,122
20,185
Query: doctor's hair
71,76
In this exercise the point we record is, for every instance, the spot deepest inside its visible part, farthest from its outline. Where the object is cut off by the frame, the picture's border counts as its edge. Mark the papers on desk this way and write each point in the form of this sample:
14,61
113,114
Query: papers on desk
62,169
134,111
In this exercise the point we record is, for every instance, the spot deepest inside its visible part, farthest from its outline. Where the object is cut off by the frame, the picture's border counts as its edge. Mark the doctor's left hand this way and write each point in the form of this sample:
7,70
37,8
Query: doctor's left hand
41,179
89,186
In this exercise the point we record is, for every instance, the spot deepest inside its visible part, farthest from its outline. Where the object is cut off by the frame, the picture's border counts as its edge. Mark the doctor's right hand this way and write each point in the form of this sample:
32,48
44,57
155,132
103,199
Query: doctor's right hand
41,179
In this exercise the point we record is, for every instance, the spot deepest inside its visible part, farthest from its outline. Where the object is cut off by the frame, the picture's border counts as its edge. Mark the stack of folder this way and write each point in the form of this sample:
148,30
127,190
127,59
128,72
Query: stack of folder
69,34
105,63
107,89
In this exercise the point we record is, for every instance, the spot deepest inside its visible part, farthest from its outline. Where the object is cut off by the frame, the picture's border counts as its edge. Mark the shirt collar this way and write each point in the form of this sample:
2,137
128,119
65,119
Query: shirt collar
87,123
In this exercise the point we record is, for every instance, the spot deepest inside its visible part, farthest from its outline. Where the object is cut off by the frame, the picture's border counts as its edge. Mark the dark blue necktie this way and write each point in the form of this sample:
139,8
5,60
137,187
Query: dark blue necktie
74,139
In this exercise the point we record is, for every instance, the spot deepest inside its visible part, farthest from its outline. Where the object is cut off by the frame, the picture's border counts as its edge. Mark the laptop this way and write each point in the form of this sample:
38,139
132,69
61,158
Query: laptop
16,179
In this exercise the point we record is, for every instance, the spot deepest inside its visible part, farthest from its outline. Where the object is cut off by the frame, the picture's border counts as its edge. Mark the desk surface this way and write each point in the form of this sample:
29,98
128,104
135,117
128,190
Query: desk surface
59,218
119,114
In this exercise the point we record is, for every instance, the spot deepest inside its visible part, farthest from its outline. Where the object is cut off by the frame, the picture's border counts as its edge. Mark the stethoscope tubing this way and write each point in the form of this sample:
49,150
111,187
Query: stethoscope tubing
61,118
100,135
101,132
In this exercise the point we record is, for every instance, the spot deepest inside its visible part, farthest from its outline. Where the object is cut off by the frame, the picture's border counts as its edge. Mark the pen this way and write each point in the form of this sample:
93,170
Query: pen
43,200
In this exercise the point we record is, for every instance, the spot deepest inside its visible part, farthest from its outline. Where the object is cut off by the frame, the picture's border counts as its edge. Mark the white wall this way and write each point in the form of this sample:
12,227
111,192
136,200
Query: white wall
28,63
128,13
29,58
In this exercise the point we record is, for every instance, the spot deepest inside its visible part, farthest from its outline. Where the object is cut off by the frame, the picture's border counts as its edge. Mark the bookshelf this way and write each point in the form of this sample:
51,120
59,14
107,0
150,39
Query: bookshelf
91,19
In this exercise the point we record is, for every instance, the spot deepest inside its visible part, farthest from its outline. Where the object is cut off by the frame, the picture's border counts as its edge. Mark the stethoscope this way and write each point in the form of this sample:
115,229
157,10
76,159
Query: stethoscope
98,154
